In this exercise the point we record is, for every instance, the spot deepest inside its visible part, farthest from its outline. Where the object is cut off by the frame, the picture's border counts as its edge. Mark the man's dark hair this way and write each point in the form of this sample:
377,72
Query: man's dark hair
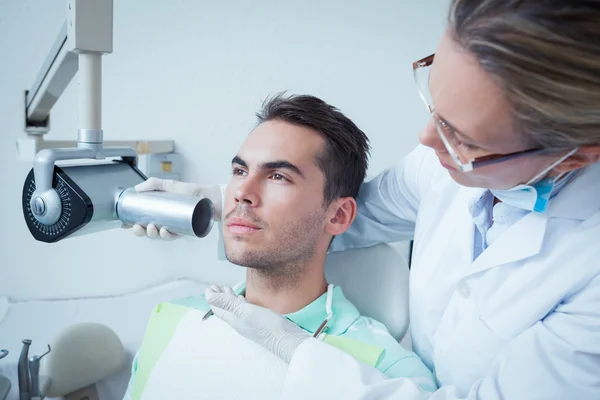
345,158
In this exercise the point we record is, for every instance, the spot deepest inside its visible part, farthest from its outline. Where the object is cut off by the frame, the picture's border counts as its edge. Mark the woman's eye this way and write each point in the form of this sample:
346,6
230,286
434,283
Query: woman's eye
453,138
461,144
445,127
469,146
450,134
464,145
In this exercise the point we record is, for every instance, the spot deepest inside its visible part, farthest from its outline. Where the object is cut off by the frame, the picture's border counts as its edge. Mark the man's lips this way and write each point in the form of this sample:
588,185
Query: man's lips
241,225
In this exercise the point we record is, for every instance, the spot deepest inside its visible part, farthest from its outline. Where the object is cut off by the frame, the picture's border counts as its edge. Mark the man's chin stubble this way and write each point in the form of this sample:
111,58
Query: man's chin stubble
274,275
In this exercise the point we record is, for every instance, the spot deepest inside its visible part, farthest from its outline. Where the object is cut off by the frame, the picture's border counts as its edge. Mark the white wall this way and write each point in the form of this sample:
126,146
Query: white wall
195,72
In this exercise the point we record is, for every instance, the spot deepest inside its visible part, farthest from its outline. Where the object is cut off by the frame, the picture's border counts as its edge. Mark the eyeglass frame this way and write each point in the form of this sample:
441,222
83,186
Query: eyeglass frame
477,162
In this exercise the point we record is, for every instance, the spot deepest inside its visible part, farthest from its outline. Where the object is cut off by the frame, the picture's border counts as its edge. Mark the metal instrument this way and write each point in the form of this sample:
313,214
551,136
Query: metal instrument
328,308
23,371
34,371
209,314
29,373
322,328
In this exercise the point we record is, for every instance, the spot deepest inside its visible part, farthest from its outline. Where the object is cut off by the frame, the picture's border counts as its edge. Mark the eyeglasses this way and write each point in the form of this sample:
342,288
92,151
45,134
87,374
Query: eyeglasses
458,150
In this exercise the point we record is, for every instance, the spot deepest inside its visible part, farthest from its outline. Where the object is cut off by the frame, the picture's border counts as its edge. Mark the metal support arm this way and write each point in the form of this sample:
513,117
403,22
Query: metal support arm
56,73
85,36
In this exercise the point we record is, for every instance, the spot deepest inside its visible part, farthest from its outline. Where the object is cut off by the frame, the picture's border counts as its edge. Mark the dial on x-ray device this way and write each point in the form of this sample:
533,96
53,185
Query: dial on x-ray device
82,196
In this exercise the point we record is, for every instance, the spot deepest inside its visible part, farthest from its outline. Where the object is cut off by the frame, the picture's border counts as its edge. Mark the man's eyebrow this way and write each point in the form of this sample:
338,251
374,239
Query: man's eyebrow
282,164
238,160
278,164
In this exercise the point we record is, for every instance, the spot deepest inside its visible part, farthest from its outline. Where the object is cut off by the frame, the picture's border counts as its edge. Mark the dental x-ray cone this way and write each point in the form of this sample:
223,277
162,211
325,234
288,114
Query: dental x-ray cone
98,197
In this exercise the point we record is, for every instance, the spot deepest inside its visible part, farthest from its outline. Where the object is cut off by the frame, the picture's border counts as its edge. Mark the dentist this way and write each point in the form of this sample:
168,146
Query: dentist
503,201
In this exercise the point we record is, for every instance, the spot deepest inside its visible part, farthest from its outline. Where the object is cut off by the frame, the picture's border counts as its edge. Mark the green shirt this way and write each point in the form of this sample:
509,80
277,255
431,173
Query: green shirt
394,361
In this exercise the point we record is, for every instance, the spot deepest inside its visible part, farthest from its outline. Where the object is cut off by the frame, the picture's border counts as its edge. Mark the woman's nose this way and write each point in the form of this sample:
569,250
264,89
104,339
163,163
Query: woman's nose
430,137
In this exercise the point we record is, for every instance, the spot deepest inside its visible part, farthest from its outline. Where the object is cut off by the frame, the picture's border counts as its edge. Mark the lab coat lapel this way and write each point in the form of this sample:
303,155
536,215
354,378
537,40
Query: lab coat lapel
580,198
522,240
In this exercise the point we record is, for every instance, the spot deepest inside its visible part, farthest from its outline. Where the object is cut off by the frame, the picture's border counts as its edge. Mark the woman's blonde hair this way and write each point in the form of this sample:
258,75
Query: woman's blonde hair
545,54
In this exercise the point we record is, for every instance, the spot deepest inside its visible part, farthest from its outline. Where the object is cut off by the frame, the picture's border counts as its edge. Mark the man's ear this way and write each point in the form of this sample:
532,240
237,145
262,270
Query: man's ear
585,156
340,215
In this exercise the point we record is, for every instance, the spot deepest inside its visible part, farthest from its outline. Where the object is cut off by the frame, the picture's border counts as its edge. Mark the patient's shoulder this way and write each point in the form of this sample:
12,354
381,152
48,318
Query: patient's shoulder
180,306
396,361
195,302
368,330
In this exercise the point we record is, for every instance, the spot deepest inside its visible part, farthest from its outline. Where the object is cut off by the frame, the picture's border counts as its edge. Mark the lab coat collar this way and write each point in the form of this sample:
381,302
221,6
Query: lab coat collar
580,198
523,239
310,317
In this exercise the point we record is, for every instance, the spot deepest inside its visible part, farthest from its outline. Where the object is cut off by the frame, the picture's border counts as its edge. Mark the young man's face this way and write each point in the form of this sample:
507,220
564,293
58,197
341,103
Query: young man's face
274,207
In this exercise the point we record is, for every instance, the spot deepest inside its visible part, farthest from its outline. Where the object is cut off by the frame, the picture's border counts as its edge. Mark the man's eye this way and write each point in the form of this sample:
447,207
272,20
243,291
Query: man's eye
238,171
279,177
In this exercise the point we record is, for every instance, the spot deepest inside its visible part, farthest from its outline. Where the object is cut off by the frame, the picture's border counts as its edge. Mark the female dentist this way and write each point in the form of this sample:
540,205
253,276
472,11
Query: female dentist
503,201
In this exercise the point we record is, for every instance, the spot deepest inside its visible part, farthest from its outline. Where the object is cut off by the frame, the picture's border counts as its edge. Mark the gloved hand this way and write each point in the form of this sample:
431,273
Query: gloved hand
177,187
267,328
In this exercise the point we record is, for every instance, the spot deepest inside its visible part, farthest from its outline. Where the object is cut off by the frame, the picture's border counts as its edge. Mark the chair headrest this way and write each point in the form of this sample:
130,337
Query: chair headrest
375,280
81,355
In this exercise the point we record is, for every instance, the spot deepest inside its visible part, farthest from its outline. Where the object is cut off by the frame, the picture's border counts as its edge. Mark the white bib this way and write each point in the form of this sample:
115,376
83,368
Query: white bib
210,360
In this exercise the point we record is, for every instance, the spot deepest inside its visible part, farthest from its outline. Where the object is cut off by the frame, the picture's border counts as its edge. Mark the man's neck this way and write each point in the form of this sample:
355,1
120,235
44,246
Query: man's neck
286,293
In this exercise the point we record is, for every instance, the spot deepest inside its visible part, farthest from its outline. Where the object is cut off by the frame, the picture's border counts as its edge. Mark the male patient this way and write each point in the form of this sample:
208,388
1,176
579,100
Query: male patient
293,188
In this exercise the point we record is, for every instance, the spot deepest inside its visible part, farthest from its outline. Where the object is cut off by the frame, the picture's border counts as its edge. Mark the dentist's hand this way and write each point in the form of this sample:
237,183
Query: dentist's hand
177,187
261,325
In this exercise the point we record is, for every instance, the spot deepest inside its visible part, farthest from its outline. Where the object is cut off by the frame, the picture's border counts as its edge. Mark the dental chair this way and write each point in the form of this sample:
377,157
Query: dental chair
5,386
375,280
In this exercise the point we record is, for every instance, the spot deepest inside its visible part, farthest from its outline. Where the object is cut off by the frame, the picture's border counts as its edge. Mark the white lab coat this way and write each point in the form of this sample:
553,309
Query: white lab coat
522,321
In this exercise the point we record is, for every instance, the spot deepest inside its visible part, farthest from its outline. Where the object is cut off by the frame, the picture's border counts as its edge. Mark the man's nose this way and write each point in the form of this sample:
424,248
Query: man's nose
248,191
430,137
